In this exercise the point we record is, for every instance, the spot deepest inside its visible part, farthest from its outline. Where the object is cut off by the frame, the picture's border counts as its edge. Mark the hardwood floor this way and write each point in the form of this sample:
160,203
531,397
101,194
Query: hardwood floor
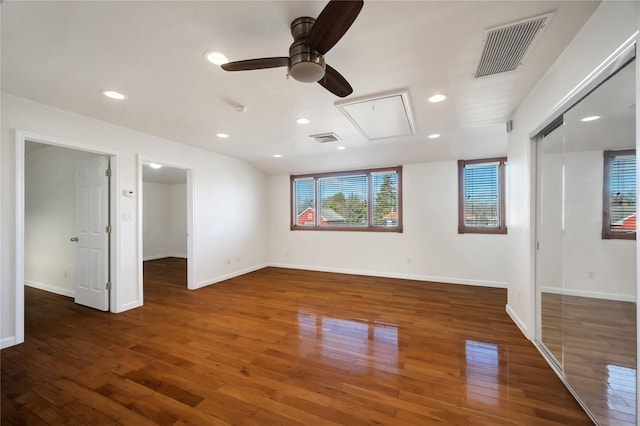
282,347
596,341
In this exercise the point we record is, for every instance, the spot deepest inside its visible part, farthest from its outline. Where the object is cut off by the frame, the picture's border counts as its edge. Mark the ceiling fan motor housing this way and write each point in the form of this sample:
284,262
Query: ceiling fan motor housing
305,64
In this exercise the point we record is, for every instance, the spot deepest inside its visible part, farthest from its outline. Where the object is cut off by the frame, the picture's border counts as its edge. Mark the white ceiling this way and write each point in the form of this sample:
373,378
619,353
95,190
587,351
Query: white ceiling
64,53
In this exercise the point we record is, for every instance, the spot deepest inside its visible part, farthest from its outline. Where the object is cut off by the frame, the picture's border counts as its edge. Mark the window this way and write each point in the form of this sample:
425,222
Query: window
360,200
619,195
481,203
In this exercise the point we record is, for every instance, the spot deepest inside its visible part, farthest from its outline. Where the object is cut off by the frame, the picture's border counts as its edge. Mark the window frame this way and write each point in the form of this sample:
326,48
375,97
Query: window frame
502,226
607,232
370,201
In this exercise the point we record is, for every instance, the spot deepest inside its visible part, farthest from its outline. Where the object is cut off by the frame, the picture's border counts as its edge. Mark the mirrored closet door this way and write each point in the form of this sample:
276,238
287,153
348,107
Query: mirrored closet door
586,246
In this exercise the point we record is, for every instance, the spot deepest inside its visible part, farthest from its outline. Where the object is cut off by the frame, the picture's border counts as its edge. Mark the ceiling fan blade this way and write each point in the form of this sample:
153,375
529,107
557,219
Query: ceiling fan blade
334,82
332,23
256,64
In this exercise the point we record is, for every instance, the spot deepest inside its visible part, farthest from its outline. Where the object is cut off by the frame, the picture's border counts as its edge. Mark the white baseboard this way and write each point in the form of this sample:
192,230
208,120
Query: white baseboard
164,256
516,319
7,342
50,288
591,294
129,306
446,280
228,276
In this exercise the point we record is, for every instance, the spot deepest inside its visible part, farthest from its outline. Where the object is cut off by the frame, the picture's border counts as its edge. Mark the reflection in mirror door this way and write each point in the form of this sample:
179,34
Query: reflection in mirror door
549,257
600,268
586,260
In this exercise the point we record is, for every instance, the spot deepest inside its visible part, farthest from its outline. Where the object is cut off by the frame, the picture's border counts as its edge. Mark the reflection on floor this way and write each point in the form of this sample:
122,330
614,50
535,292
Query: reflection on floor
598,350
282,347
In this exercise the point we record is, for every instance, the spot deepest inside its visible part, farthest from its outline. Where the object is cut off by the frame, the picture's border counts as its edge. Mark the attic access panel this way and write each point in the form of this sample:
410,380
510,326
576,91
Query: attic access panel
380,117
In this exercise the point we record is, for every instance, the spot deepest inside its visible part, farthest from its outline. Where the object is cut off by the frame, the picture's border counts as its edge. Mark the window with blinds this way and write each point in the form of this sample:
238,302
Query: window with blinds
619,195
344,201
481,201
360,200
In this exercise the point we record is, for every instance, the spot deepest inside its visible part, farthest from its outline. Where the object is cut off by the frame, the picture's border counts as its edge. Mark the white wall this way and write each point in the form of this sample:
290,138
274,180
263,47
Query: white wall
178,215
430,247
227,193
49,218
611,25
164,210
593,266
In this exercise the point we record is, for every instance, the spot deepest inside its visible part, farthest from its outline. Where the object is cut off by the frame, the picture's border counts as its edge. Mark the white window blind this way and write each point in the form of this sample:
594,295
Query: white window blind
481,196
385,203
620,195
343,201
481,199
304,202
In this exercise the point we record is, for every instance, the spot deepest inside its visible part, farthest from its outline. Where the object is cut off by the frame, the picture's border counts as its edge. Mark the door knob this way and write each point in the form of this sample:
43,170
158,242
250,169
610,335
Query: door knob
74,239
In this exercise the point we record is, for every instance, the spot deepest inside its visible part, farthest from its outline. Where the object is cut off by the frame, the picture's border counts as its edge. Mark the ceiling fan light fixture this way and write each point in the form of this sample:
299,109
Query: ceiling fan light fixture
306,64
307,72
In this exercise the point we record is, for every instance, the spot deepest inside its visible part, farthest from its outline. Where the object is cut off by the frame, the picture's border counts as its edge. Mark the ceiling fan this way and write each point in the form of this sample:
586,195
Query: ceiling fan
312,38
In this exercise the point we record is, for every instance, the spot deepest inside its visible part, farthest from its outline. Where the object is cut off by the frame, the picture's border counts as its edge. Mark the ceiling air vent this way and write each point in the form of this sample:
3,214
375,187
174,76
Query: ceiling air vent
325,137
505,47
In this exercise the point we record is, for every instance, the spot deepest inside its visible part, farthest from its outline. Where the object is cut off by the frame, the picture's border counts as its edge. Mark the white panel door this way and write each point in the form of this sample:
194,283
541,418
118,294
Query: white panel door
91,237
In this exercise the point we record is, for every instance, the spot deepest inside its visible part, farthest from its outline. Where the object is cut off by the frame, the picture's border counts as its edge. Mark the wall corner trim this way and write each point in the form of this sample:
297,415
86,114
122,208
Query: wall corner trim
129,306
7,342
516,319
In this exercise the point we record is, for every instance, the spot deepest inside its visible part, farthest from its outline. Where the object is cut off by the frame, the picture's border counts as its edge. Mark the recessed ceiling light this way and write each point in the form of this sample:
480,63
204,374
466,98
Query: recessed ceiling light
277,155
114,95
302,120
433,136
438,97
341,148
216,58
155,165
591,118
222,135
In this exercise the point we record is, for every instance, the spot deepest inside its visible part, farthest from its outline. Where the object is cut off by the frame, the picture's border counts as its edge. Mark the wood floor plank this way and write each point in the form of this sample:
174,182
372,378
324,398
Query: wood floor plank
282,347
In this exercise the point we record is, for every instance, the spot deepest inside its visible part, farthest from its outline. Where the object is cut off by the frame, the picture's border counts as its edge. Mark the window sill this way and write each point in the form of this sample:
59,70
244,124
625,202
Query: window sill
482,231
395,229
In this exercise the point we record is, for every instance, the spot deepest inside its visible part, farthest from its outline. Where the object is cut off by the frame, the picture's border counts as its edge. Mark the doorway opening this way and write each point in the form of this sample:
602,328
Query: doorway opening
63,223
166,212
66,216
